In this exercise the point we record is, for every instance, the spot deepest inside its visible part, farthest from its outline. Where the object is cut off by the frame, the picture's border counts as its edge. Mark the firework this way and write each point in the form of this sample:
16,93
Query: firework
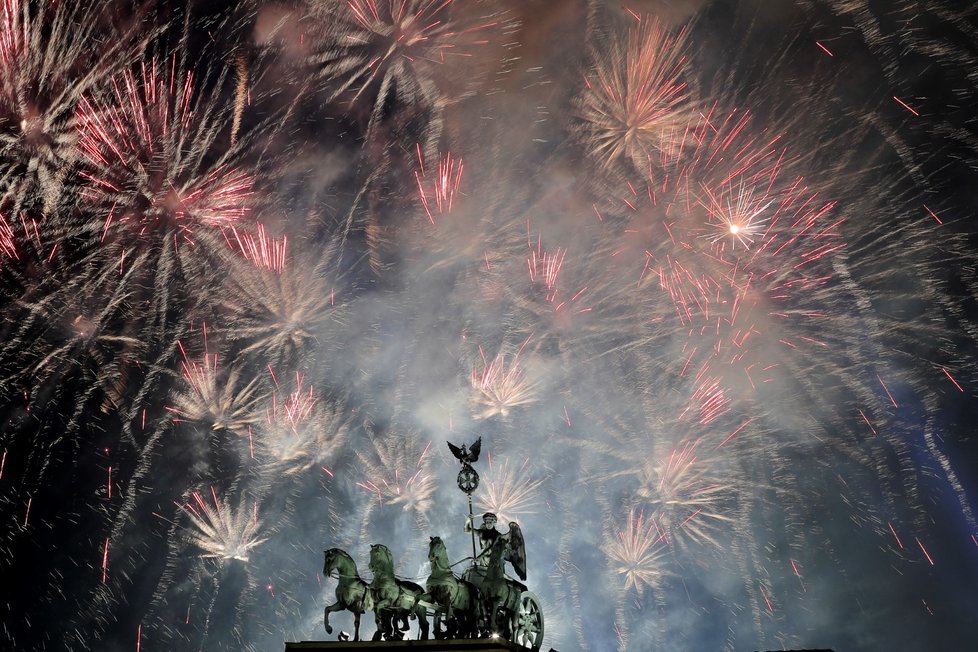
500,385
221,530
635,107
736,298
66,324
299,430
508,491
437,195
736,215
280,311
49,57
545,269
635,552
418,54
396,471
739,343
24,243
156,169
8,240
685,497
261,249
214,399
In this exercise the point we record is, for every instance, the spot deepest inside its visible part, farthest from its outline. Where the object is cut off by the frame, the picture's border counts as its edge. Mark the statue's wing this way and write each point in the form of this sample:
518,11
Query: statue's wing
456,451
517,550
474,450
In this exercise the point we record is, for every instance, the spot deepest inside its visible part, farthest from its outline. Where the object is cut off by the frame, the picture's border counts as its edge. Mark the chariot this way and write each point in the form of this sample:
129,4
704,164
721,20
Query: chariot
519,618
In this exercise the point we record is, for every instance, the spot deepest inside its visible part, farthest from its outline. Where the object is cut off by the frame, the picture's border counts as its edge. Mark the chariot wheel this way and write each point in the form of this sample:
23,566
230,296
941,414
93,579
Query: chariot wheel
527,622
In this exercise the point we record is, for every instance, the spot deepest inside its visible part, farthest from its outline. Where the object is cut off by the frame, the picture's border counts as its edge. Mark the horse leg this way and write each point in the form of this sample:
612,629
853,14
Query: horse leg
422,615
477,616
494,616
356,626
503,613
451,627
380,624
472,615
441,626
336,606
436,623
514,604
389,622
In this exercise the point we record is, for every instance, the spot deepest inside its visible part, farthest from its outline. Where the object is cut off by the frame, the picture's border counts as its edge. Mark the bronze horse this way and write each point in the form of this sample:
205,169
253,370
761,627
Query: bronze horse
352,593
395,600
455,601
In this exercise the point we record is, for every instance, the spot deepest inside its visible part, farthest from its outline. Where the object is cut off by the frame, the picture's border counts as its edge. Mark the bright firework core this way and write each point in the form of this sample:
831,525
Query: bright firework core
700,275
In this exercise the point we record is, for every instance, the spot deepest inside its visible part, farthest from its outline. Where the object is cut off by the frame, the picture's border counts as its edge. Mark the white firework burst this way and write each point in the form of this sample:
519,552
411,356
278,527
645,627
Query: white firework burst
500,385
280,312
508,490
636,552
300,431
222,531
217,400
635,107
396,470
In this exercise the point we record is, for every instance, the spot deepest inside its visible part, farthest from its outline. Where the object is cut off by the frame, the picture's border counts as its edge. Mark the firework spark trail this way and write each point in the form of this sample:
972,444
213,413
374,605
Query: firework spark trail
290,410
544,268
8,239
241,95
262,250
438,195
709,398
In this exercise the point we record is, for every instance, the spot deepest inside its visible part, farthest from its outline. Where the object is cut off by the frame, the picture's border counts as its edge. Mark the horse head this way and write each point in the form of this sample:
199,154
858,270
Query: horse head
381,560
337,559
437,554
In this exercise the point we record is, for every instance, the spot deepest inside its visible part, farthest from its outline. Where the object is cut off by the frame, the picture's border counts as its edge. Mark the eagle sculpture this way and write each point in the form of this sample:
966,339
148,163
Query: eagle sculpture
467,455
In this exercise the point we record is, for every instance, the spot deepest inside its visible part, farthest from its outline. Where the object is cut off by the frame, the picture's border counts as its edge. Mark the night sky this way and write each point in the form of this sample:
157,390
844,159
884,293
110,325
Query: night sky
700,274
